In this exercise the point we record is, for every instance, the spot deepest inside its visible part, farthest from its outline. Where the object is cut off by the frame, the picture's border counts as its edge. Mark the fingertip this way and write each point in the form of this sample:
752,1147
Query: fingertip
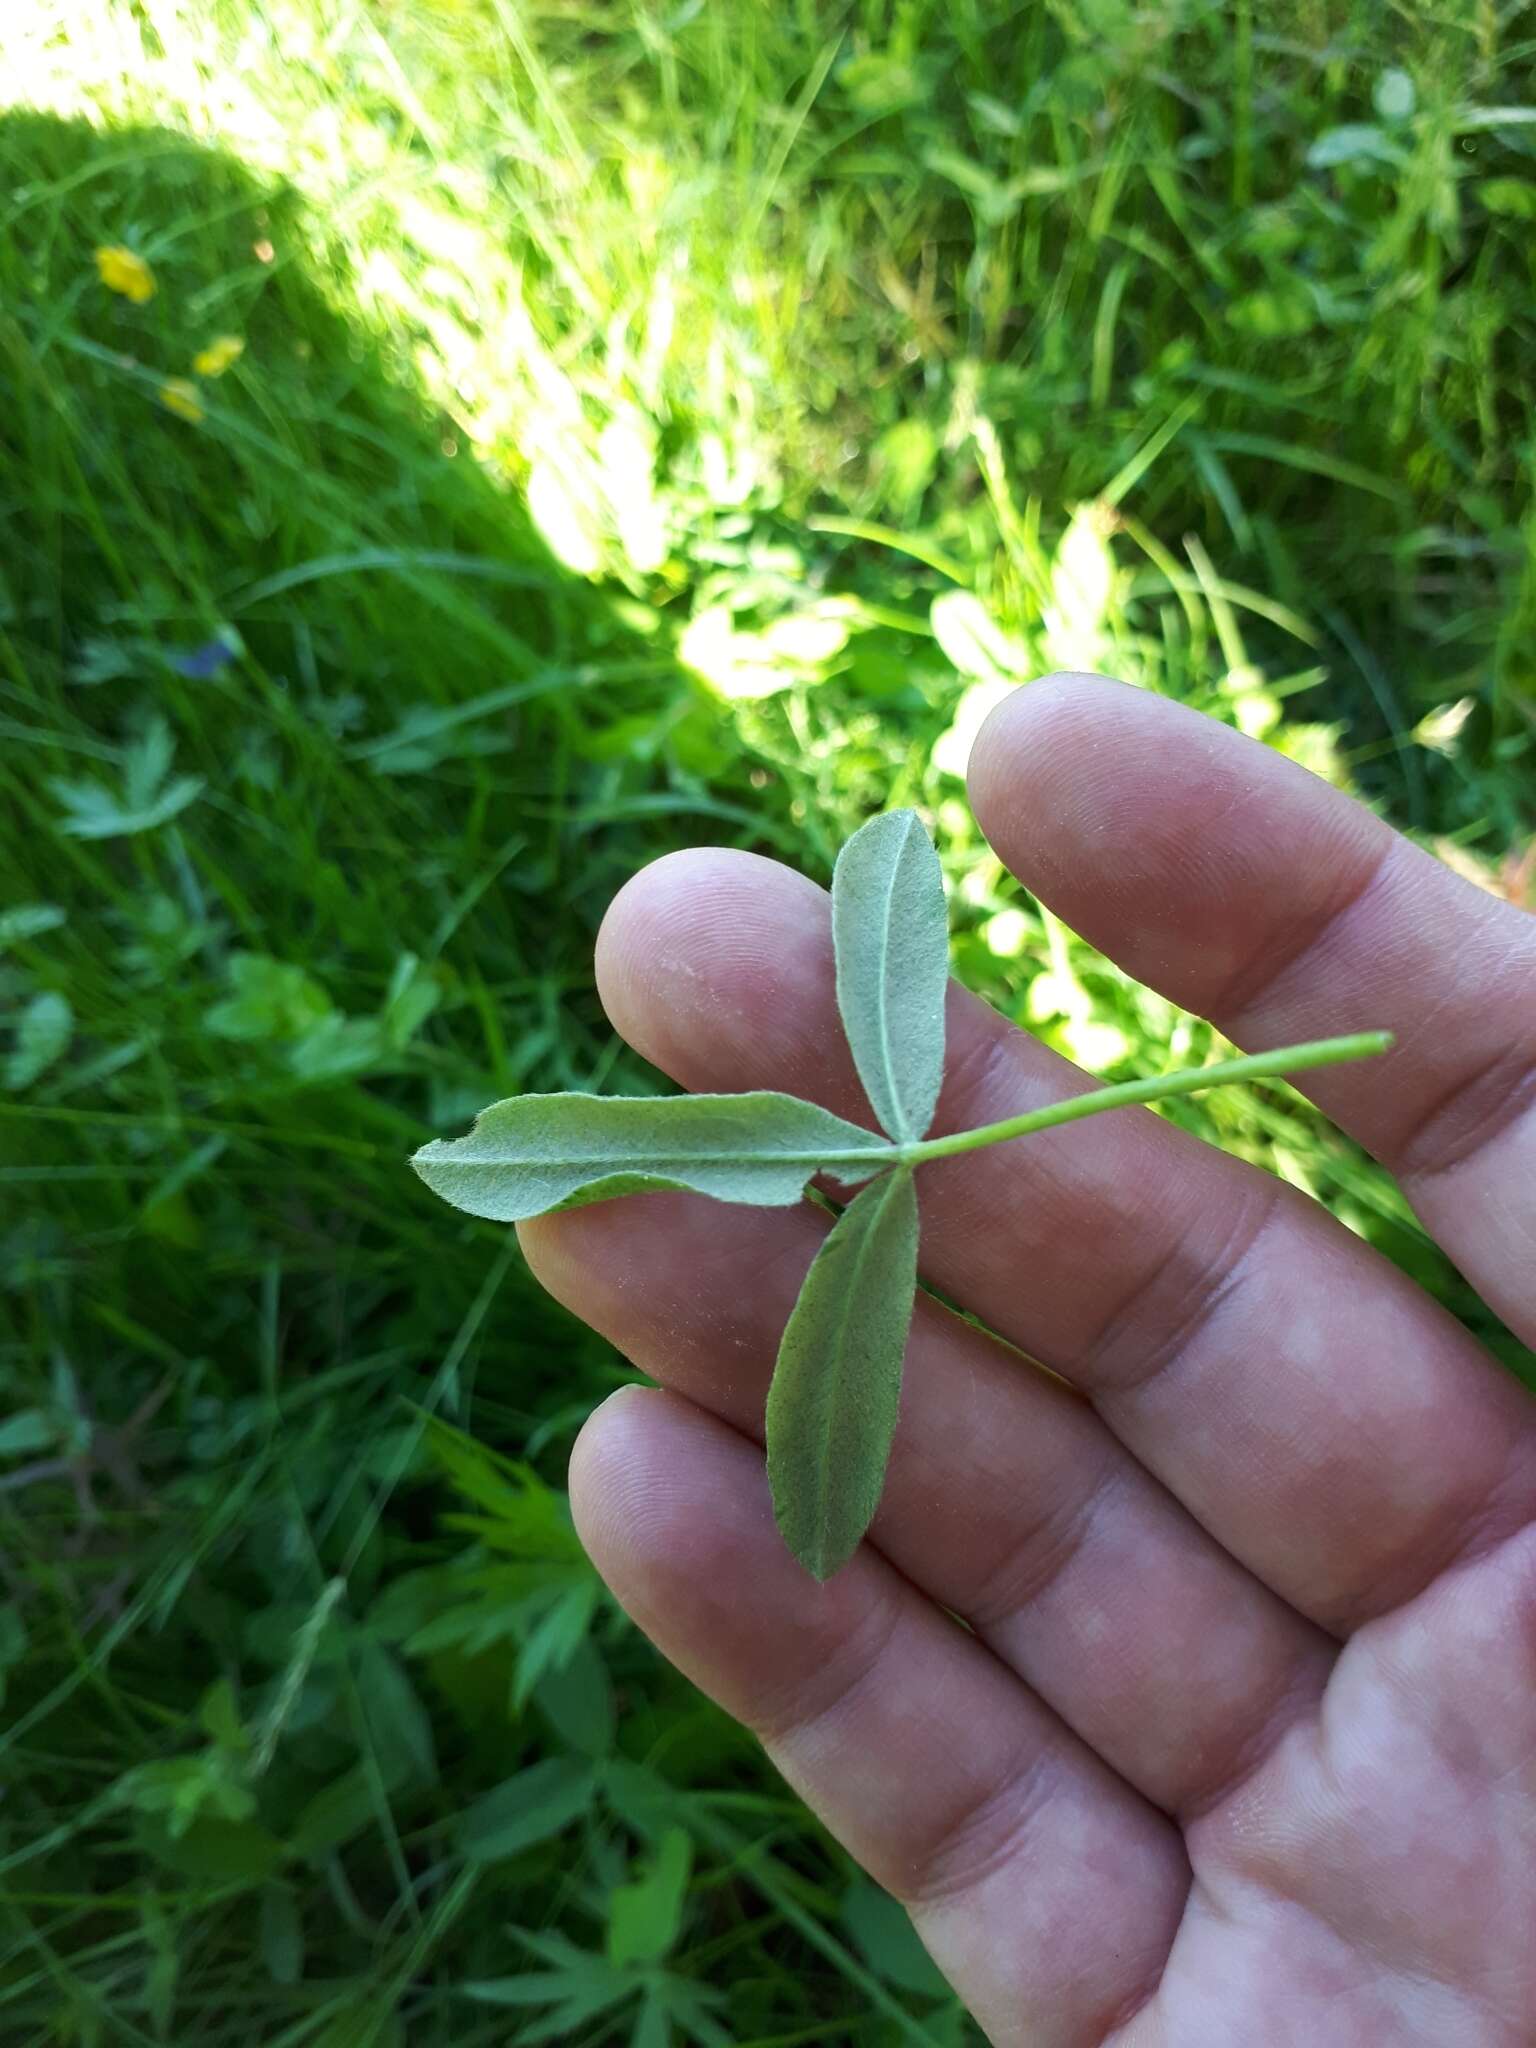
672,1507
701,930
646,1459
1035,740
561,1247
535,1244
1179,846
580,1256
1067,691
609,1450
645,914
643,1474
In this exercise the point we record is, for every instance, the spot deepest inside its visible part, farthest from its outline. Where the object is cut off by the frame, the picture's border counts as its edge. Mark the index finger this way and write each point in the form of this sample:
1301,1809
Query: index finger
1245,888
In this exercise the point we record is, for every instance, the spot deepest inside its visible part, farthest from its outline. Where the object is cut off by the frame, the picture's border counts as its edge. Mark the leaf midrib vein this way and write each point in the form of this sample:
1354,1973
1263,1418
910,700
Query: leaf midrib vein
641,1162
883,1012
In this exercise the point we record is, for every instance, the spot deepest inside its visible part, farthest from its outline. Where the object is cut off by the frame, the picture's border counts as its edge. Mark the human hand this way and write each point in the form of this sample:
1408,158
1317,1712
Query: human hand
1241,1747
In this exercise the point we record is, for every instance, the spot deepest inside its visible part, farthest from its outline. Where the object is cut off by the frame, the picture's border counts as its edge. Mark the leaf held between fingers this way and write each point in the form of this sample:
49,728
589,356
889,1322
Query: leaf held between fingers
837,1385
533,1153
890,933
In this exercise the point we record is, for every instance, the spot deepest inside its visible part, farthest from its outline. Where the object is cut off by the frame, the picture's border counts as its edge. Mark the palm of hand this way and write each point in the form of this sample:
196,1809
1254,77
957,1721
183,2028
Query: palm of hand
1375,1881
1240,1746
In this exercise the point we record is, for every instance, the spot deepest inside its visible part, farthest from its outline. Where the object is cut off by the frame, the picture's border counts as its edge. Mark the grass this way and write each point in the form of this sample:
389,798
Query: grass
651,429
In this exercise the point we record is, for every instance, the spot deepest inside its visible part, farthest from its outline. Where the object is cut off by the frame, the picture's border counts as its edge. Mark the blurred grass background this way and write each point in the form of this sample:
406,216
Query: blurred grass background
651,425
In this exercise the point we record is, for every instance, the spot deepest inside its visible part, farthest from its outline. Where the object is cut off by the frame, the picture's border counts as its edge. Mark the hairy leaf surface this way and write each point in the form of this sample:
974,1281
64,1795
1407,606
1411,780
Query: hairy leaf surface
890,931
533,1153
832,1405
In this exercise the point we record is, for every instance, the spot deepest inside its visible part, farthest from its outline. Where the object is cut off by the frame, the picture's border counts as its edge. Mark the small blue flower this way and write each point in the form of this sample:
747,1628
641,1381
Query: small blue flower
207,660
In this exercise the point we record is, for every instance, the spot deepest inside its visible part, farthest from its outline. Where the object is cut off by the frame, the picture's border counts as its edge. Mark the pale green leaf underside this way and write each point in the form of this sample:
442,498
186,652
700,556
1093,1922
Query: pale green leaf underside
533,1153
891,935
832,1405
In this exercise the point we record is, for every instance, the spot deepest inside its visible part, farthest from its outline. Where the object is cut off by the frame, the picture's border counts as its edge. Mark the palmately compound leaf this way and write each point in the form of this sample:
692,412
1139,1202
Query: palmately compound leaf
533,1153
891,936
832,1405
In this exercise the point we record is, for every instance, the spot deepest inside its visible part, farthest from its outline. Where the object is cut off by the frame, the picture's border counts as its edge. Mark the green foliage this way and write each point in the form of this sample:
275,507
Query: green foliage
891,935
149,795
526,1810
43,1031
837,1383
644,1916
541,1152
892,353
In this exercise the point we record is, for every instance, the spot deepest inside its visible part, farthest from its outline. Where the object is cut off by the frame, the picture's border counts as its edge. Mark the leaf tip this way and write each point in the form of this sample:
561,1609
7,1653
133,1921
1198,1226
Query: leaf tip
425,1157
815,1556
822,1569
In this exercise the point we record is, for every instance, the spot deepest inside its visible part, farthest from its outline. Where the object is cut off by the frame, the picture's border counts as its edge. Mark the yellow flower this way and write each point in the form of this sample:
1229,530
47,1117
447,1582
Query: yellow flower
121,271
218,356
180,396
